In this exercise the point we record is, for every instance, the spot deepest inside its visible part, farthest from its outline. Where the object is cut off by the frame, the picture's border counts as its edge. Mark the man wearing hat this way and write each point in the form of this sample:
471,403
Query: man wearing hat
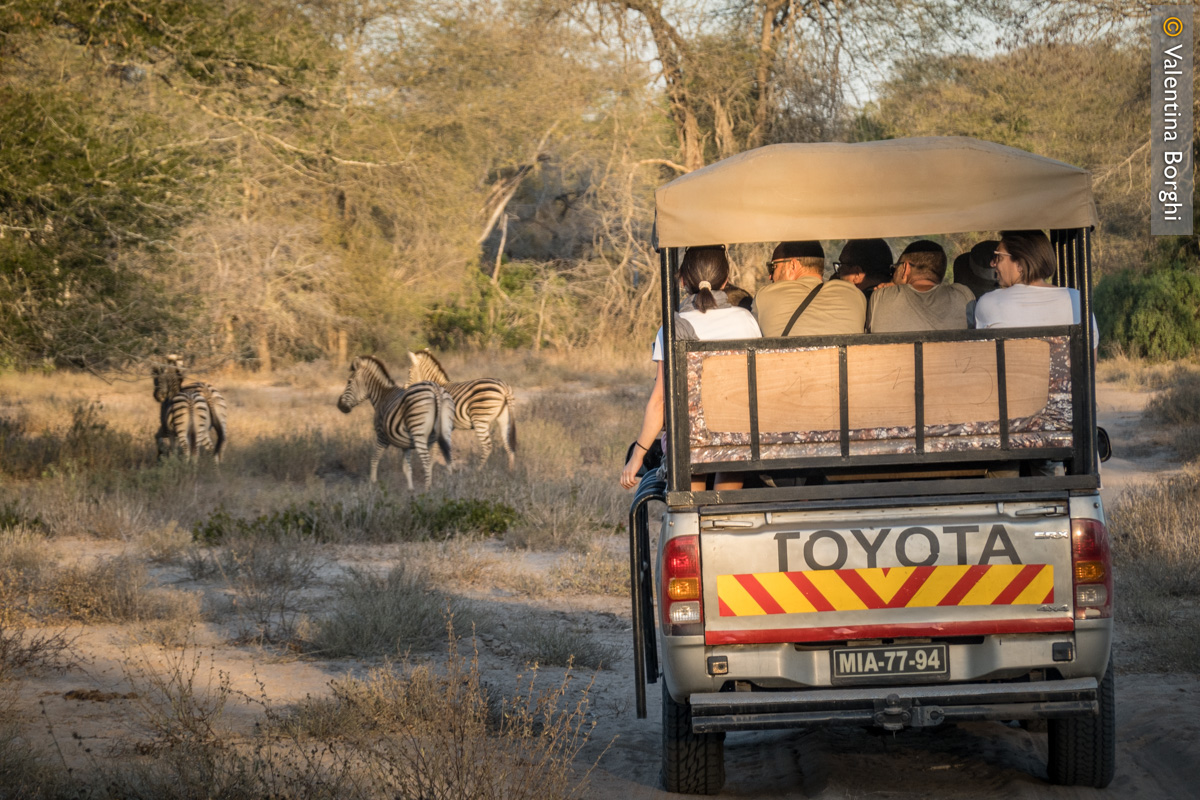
973,269
866,263
919,301
798,302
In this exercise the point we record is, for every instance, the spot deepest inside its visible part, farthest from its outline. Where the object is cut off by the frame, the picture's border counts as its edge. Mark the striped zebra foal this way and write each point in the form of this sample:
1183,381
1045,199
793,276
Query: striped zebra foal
185,418
168,382
410,418
477,404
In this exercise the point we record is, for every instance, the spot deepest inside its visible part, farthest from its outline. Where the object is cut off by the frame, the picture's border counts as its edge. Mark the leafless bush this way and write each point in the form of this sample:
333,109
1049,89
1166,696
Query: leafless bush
25,774
268,577
182,699
442,733
113,590
432,730
22,651
601,570
560,515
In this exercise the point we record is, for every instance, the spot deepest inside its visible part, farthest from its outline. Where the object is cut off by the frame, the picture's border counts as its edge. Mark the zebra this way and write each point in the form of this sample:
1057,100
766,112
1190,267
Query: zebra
185,418
410,418
168,382
477,404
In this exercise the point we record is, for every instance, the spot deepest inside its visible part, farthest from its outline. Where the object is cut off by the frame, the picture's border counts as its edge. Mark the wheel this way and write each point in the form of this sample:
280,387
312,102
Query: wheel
1083,750
692,763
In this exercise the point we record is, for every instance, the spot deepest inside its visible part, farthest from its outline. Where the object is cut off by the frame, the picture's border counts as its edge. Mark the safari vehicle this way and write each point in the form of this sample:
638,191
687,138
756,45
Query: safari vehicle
895,558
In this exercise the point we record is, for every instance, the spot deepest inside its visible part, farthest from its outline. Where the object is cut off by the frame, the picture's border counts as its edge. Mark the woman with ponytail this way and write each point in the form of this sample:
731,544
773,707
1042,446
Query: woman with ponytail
705,313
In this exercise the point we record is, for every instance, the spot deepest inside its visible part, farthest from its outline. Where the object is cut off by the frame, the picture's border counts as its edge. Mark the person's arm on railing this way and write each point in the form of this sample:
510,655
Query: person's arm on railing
652,423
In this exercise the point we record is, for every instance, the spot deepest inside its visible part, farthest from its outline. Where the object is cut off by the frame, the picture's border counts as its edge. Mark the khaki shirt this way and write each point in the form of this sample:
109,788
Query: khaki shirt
840,307
896,309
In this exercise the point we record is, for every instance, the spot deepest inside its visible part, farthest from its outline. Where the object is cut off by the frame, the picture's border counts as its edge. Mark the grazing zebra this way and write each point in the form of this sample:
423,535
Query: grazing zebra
168,382
477,404
410,418
184,419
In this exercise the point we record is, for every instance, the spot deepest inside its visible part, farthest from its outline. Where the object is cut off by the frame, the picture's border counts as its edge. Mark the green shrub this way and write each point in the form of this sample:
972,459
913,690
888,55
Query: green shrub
14,515
1155,314
464,516
293,520
370,517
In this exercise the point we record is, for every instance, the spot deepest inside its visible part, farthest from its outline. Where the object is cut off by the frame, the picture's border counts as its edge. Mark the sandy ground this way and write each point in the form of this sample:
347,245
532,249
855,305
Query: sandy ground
86,712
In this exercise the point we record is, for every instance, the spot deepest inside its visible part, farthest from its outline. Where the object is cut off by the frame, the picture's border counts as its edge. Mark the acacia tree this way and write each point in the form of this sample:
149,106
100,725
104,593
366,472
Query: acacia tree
1043,98
749,72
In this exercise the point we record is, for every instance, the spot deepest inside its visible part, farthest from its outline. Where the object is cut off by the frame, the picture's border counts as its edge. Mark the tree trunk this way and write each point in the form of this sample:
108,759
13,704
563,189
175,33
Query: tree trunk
230,345
264,352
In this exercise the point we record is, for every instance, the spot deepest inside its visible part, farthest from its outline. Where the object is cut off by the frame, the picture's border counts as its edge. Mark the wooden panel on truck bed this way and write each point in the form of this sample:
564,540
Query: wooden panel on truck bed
799,399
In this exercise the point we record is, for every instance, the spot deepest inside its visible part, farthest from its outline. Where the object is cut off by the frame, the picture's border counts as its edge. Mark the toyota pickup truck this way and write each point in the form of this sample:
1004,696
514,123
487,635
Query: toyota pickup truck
899,555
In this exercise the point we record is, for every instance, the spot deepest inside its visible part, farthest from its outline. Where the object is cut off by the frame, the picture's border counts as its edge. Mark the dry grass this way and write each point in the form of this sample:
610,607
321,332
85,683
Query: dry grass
1141,374
77,463
1178,403
402,731
115,589
1156,550
561,643
268,577
386,615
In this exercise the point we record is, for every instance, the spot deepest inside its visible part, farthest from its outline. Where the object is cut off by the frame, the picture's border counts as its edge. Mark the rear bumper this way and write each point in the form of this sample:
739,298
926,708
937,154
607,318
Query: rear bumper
893,707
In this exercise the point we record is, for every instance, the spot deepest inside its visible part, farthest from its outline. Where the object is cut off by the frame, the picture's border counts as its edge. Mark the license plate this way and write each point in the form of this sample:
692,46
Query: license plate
908,662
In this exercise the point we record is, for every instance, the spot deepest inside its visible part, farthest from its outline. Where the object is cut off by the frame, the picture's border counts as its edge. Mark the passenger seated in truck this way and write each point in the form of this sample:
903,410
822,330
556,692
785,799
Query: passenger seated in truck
866,263
918,300
705,313
799,302
1026,299
973,269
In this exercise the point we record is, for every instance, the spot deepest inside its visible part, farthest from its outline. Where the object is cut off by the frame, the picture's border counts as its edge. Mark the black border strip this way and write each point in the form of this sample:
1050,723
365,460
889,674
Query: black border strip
844,400
1002,394
919,394
752,389
847,491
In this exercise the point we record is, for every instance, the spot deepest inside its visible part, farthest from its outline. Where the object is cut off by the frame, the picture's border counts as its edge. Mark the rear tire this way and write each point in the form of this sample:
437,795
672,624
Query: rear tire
1083,750
692,763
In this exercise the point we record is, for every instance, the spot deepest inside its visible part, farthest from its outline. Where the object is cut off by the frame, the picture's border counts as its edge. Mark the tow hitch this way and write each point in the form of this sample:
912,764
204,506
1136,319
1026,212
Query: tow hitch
895,714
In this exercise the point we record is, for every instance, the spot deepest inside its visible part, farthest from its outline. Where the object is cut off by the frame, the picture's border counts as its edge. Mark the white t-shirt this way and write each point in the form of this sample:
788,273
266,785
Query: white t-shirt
1025,306
734,322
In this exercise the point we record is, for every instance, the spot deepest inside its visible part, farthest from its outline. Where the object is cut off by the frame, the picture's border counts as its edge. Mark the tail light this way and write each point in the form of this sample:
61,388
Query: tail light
1091,568
682,608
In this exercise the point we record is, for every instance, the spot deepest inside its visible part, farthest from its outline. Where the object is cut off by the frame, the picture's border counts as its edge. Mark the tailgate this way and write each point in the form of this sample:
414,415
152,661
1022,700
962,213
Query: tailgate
948,570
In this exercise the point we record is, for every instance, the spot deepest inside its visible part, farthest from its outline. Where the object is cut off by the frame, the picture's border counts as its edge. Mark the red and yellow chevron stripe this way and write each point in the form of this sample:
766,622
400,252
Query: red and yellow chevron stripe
760,593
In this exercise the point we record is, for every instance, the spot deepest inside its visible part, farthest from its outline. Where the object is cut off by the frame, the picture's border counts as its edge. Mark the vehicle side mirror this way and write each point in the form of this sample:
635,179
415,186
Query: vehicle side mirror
1103,444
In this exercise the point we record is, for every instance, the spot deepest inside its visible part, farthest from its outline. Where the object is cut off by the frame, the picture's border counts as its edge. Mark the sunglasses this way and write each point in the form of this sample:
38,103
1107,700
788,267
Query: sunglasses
773,265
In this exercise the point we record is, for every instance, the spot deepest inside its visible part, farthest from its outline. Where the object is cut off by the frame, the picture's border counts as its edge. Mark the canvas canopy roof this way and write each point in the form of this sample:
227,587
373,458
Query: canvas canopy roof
898,187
